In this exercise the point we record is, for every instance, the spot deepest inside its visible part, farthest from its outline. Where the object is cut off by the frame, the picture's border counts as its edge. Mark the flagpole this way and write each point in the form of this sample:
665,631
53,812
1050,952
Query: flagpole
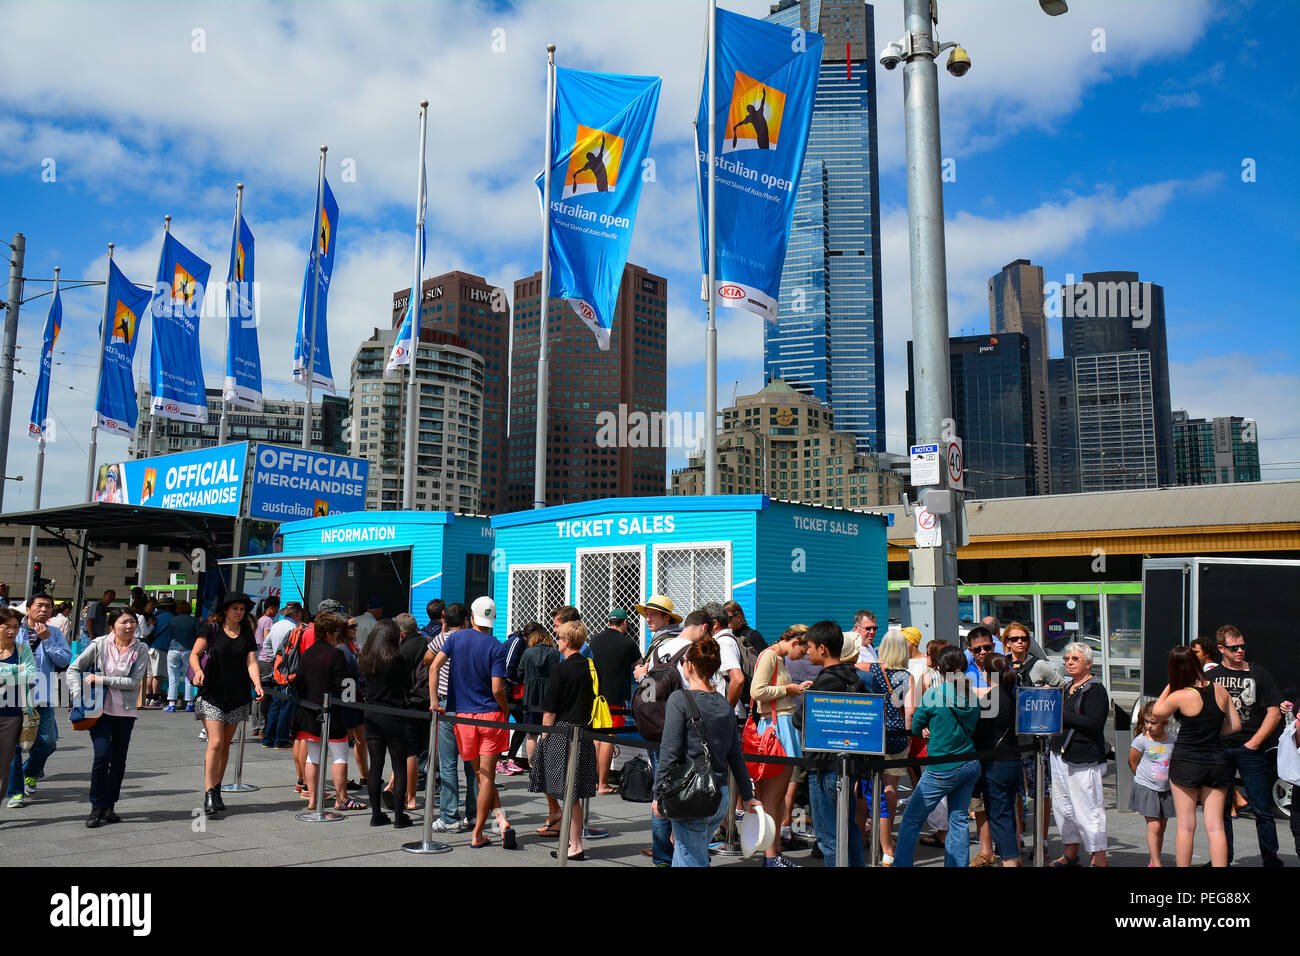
40,466
153,419
539,456
239,211
417,293
711,336
309,322
104,332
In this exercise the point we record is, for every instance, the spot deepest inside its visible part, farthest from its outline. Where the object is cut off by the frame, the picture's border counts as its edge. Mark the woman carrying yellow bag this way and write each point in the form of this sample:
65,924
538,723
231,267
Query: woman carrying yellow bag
572,700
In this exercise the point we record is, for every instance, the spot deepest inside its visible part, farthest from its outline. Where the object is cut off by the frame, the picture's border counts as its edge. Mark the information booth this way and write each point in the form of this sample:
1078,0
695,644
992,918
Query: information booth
783,563
402,558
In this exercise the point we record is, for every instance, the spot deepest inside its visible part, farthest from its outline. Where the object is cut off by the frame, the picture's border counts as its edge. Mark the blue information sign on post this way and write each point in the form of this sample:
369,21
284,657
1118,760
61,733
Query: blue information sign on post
844,723
1038,710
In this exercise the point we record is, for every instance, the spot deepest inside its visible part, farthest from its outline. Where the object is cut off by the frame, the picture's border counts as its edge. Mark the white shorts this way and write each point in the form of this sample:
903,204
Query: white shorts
157,663
339,752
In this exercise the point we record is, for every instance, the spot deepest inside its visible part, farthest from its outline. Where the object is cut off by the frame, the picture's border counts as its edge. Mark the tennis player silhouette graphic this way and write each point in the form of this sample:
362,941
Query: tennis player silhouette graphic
595,166
755,119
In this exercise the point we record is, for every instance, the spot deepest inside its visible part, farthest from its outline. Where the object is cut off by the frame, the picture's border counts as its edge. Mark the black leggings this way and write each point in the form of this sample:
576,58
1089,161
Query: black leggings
395,745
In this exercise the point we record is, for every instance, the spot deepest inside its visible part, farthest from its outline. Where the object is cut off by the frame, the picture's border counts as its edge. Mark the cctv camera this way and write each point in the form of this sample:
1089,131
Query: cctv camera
892,55
958,62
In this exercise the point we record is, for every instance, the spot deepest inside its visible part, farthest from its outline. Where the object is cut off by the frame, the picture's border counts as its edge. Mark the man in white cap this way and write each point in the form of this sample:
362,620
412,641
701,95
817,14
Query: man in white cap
476,689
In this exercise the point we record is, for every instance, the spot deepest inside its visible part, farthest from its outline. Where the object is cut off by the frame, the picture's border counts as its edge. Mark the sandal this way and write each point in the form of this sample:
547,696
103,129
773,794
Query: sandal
479,846
1065,861
985,859
552,829
350,804
930,840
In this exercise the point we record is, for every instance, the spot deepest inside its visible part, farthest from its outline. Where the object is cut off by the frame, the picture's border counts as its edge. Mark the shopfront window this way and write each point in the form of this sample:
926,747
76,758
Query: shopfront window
1009,607
1068,618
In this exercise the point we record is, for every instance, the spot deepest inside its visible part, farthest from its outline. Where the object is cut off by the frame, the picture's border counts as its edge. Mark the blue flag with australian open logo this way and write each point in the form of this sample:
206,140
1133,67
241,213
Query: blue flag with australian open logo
115,407
323,240
39,427
765,84
599,140
176,382
243,385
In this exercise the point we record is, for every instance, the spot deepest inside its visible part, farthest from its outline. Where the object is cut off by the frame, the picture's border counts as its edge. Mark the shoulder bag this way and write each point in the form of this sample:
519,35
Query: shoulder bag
688,790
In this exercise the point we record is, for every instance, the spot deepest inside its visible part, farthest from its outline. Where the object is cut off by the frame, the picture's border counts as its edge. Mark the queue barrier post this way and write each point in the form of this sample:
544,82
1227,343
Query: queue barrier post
588,831
427,845
842,814
877,780
239,786
318,814
732,846
1040,821
570,784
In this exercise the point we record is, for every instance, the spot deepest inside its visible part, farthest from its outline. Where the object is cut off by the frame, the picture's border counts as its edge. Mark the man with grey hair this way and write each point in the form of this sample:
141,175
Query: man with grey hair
865,627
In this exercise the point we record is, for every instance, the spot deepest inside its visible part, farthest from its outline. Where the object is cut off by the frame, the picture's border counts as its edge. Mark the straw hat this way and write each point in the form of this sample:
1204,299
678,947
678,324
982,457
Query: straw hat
661,603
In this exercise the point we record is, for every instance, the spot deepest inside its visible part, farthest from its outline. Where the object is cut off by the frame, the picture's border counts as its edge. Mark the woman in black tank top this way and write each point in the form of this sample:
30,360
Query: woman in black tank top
1198,767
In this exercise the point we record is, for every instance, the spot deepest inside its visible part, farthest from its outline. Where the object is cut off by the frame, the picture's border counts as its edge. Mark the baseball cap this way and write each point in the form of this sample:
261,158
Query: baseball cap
330,606
618,614
374,604
483,612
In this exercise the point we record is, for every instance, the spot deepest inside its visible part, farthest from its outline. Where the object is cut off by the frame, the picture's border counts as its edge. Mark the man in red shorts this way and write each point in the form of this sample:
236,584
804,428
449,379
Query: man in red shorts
476,688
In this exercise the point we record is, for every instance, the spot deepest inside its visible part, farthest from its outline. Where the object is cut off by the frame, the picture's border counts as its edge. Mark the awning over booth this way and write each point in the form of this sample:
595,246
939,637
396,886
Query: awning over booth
106,522
281,558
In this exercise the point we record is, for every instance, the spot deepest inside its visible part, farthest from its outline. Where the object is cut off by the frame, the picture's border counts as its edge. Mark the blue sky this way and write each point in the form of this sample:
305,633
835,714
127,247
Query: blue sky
1079,150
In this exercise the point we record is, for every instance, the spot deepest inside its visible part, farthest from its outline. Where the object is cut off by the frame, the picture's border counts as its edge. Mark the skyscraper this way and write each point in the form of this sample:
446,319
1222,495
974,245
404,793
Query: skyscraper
828,339
601,442
1016,305
1215,451
993,411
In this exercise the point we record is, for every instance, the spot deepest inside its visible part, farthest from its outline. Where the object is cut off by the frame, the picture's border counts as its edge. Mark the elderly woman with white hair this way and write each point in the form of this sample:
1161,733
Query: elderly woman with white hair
1078,761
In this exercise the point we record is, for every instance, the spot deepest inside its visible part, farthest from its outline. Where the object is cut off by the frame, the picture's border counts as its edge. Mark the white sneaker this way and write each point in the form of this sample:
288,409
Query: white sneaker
440,827
203,734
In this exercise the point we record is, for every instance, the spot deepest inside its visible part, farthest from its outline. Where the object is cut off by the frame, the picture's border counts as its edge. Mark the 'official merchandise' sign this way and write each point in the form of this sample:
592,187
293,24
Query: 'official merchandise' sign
1038,710
289,484
844,723
210,480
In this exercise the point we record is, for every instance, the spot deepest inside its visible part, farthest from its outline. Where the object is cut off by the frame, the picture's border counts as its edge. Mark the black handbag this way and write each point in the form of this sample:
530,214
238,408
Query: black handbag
688,790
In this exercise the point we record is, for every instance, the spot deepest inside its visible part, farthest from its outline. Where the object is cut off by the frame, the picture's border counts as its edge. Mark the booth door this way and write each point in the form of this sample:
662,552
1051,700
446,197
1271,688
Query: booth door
609,579
693,574
535,591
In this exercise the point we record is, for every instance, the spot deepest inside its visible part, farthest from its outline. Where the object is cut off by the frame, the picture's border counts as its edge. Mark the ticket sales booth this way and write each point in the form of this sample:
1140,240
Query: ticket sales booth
404,559
784,563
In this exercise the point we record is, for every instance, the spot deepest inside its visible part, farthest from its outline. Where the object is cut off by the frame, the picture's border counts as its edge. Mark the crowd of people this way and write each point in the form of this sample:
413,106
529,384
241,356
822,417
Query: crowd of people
739,695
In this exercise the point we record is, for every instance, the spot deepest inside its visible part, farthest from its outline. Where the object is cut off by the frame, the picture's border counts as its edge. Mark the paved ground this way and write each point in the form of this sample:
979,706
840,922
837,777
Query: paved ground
161,823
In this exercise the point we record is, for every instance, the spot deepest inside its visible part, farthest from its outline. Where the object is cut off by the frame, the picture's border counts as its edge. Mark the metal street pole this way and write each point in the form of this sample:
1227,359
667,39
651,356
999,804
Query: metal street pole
929,300
222,427
40,474
17,254
711,336
539,453
309,321
417,294
153,419
105,330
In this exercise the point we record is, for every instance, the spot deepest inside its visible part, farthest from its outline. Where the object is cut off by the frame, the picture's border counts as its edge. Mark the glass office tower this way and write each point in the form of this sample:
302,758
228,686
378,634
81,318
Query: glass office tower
828,338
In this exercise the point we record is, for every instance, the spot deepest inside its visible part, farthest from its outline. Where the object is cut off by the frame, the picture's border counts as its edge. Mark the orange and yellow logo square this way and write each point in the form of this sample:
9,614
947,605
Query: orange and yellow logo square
183,286
124,321
594,162
754,120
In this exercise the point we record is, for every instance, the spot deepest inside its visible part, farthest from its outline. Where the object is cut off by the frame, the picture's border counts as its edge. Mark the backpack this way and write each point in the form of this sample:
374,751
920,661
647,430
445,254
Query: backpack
636,781
748,660
288,657
895,720
650,699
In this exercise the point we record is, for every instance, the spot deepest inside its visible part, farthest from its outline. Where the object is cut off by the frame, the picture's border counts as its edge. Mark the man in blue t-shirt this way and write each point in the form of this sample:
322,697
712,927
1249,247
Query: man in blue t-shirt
476,689
979,645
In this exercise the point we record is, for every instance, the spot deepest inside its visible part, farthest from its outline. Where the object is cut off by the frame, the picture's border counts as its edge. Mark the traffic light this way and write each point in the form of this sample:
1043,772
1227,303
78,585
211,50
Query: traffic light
38,582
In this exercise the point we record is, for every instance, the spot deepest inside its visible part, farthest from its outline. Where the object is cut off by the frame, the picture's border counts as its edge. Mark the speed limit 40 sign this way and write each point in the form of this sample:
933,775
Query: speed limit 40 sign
956,463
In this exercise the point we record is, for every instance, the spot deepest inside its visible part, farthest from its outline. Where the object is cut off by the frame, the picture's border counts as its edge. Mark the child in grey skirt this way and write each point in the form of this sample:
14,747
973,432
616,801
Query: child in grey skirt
1148,758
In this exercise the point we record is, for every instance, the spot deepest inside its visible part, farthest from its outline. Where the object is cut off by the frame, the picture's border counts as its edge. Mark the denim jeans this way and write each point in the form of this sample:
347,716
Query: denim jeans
110,737
448,760
661,828
933,786
176,661
46,742
822,794
279,719
1001,783
1257,773
691,837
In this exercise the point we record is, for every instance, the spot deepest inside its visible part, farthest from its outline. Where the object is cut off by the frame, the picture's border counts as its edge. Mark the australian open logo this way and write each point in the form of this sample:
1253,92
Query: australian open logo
754,120
594,162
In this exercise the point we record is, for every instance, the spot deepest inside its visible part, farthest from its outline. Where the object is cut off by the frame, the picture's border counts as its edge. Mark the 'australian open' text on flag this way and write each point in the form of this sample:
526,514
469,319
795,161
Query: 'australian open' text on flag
324,239
176,383
599,140
243,384
765,84
39,426
115,407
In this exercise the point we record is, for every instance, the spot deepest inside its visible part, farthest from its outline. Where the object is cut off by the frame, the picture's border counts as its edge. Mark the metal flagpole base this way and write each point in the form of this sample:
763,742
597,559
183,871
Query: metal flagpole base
319,816
419,846
238,788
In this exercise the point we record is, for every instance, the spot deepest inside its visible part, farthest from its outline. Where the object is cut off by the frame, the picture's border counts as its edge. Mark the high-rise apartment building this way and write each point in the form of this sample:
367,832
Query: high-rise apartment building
828,339
601,442
1016,305
992,408
466,306
785,444
279,422
451,382
1215,451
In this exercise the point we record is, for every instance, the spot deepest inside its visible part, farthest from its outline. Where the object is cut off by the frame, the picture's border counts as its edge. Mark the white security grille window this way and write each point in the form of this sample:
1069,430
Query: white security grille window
693,574
610,579
536,591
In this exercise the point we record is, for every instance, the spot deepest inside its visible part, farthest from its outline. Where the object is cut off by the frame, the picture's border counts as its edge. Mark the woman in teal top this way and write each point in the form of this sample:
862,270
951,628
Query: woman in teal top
17,672
949,711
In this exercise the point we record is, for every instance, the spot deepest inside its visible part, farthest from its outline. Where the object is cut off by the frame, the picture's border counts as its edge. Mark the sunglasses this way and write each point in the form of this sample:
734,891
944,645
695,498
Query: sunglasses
981,648
1232,647
1017,639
